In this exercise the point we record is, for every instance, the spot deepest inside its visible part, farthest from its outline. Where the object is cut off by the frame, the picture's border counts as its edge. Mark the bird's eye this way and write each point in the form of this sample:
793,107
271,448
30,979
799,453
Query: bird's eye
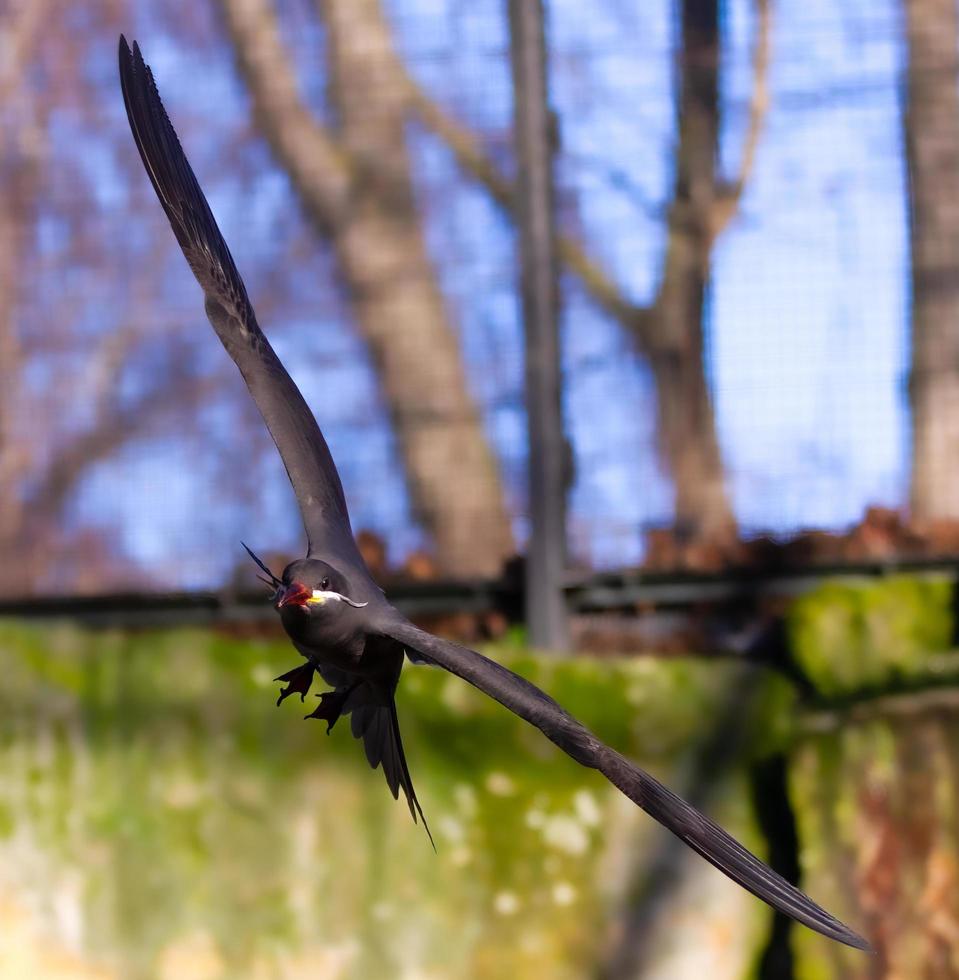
325,585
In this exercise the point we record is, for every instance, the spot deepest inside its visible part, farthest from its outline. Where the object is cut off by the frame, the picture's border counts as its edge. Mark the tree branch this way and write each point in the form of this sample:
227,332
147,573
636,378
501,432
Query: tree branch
21,31
727,203
366,208
474,162
573,254
114,426
319,168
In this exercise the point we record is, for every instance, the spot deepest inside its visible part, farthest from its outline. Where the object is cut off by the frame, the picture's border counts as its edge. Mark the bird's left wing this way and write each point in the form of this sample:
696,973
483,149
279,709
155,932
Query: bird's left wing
687,823
290,421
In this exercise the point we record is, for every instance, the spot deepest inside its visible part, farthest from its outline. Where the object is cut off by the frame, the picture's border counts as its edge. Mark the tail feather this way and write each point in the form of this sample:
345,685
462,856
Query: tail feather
379,727
399,765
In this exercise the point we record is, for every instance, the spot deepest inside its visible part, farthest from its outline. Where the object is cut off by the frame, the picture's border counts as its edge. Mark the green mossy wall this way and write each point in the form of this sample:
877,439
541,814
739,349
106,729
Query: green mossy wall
874,778
149,781
851,638
160,817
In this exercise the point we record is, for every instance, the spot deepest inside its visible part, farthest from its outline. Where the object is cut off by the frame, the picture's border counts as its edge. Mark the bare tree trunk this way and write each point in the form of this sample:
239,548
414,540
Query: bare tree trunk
672,331
50,439
357,187
669,331
13,454
932,150
20,30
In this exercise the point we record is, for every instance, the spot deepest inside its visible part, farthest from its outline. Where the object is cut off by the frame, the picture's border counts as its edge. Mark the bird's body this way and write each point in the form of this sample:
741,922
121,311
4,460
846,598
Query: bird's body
334,613
361,664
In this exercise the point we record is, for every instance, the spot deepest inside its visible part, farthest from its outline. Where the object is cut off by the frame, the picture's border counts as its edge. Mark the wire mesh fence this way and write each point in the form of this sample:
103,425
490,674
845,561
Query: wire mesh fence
733,221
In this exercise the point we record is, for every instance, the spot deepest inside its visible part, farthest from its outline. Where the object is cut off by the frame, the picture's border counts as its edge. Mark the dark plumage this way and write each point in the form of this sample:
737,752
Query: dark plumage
333,611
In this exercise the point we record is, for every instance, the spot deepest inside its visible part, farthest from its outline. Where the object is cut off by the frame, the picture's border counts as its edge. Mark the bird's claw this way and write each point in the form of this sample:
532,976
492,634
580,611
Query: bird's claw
330,708
298,681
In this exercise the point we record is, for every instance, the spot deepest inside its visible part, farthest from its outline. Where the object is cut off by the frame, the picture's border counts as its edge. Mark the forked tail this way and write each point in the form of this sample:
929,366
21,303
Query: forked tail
378,725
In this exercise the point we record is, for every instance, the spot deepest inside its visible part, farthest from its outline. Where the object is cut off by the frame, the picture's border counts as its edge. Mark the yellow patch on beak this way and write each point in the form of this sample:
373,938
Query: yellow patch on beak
318,598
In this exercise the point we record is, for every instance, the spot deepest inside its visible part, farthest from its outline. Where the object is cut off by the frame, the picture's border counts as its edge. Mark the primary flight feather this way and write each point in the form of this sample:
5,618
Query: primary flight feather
334,613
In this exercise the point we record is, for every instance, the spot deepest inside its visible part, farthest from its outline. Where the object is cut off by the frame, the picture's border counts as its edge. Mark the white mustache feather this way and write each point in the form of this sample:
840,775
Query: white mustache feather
321,596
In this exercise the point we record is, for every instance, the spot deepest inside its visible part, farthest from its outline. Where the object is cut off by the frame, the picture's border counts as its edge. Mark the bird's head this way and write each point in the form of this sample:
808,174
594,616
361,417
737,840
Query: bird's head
315,601
313,587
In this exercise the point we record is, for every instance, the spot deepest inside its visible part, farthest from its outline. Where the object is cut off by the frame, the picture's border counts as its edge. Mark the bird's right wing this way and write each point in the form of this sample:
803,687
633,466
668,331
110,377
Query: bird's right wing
290,421
687,823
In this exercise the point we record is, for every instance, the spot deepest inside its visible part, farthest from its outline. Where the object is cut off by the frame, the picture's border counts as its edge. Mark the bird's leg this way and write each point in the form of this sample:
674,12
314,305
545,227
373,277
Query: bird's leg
331,705
298,681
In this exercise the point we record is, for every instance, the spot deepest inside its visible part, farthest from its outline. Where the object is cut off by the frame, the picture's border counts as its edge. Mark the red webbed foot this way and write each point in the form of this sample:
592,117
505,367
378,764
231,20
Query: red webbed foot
298,681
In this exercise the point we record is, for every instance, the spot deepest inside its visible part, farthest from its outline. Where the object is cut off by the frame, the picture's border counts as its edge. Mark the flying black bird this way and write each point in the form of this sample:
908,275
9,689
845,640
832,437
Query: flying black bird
333,611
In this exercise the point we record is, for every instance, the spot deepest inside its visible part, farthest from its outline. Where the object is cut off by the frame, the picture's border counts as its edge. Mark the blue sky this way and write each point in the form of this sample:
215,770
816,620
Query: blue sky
807,322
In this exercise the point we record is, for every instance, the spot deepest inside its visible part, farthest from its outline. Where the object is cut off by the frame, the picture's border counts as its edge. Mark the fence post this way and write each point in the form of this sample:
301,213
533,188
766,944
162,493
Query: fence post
546,613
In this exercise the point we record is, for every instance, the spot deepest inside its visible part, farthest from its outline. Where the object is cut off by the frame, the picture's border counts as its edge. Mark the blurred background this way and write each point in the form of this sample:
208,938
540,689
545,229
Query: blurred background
756,226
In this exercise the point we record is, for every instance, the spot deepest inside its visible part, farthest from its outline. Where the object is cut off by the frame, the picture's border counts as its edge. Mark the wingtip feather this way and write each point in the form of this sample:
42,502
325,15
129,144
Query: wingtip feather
696,830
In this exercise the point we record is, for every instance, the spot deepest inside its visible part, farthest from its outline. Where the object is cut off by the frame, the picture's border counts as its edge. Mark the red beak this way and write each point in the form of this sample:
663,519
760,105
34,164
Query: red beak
293,595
